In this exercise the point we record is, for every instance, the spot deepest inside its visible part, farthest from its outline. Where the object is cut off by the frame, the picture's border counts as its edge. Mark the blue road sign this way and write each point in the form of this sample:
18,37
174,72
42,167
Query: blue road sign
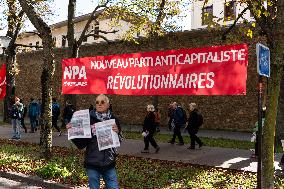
263,60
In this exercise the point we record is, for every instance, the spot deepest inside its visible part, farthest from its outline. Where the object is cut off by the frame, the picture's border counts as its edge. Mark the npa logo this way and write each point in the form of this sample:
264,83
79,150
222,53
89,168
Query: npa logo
75,72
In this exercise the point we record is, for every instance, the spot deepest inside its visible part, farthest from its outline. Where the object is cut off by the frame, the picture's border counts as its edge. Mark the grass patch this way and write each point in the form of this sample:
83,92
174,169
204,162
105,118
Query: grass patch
133,172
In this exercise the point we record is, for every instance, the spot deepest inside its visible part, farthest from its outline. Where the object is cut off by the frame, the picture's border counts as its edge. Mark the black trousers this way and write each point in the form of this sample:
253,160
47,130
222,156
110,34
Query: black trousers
150,139
23,124
170,124
54,124
177,133
193,139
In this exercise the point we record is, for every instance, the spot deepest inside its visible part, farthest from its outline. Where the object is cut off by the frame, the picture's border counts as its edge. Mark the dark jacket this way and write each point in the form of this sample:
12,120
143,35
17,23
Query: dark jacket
193,123
149,122
178,116
95,159
68,112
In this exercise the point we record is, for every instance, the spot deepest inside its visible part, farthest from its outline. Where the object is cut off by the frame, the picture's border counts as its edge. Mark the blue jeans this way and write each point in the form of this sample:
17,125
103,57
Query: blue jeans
16,124
109,176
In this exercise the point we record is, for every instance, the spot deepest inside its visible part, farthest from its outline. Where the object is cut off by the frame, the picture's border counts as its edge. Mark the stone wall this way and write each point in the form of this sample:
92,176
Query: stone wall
220,112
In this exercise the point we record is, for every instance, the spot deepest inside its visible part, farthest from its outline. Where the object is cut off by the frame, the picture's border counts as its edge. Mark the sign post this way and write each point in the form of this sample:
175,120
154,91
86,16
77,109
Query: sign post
263,69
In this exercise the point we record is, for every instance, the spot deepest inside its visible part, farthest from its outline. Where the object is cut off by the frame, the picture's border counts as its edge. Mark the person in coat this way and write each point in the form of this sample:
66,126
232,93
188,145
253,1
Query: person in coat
178,121
194,123
149,128
99,163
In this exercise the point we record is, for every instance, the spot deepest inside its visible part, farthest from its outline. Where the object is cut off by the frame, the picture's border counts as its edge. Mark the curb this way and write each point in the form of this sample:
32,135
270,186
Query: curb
33,179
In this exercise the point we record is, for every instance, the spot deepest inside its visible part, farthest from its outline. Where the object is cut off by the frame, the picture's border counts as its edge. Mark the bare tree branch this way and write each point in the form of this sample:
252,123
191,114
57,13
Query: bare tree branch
33,32
18,26
22,45
104,32
94,15
97,35
39,24
224,35
71,31
262,20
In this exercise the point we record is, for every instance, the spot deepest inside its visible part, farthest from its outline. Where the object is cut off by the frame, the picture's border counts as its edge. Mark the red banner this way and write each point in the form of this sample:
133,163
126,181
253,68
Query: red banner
3,81
217,70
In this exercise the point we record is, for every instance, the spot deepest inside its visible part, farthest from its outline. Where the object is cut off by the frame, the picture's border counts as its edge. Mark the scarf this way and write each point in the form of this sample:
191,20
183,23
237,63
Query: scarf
103,116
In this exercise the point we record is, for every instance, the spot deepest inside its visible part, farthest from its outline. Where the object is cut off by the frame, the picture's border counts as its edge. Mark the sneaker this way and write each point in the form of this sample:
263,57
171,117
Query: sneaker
180,143
171,142
145,151
157,149
191,148
60,133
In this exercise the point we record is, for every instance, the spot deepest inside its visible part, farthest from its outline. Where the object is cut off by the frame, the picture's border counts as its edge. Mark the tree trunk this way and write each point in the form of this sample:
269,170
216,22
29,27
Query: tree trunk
10,80
14,27
269,125
280,115
72,45
46,124
46,77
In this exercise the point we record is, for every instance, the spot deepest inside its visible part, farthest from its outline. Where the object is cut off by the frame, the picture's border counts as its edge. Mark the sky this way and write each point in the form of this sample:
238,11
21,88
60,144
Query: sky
83,7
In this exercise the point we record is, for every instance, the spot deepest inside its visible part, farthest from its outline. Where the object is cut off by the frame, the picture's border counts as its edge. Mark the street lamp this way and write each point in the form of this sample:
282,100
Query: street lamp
4,43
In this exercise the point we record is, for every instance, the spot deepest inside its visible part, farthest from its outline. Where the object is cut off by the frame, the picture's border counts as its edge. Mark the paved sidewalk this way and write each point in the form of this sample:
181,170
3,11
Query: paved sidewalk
210,156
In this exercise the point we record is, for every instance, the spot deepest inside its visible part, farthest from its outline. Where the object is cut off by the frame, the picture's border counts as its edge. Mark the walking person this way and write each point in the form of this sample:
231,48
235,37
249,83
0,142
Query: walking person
23,116
195,121
38,120
33,114
68,112
55,115
16,114
170,116
99,163
178,122
149,128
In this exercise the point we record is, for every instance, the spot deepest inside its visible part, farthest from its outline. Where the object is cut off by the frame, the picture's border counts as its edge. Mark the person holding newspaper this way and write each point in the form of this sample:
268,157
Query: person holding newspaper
99,163
149,129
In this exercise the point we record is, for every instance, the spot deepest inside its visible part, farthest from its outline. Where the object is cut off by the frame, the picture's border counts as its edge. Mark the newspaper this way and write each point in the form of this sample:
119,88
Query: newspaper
106,137
80,125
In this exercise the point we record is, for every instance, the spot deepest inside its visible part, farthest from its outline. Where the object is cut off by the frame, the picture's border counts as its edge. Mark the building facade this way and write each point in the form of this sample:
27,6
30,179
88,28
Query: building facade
59,32
222,12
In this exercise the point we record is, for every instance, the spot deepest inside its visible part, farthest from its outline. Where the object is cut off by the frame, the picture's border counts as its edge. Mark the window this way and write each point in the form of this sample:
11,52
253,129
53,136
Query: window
37,44
96,31
230,10
54,41
63,40
207,15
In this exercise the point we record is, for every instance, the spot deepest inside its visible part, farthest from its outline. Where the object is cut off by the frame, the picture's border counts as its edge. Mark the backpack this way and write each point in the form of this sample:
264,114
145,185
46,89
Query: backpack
157,117
33,110
200,119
